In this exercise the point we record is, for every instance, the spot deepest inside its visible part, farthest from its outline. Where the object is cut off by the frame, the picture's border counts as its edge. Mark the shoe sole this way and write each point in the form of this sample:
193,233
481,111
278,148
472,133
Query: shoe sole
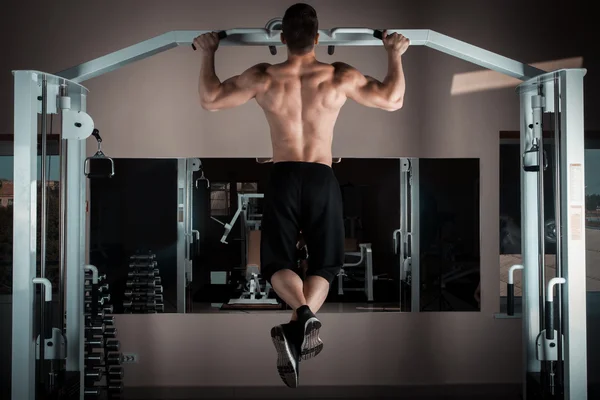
286,365
312,344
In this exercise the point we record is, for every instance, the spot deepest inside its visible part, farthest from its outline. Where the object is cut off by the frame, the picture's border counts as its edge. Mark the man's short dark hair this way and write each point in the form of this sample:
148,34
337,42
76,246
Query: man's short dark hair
300,27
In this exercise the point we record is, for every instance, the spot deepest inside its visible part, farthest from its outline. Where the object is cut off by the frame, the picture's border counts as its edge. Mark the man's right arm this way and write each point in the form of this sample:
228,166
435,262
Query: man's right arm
365,90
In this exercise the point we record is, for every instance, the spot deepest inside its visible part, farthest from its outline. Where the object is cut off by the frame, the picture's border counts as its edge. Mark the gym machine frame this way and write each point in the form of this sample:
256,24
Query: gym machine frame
37,92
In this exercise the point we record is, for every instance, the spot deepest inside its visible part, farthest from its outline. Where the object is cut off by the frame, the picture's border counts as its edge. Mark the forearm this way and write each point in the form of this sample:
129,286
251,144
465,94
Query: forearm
209,85
394,84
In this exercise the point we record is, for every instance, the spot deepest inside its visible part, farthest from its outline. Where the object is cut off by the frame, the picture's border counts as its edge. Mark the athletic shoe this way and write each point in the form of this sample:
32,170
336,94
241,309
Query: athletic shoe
310,343
287,355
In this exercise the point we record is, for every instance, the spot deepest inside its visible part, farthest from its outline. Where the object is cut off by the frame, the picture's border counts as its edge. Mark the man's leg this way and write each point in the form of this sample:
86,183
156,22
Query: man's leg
281,210
289,287
316,289
322,225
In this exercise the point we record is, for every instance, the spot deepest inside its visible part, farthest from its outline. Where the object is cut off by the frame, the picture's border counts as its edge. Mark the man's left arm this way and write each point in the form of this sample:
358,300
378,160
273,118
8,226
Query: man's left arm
216,95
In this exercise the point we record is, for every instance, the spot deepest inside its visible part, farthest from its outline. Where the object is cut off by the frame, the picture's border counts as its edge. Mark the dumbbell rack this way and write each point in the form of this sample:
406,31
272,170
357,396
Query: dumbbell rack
103,370
144,292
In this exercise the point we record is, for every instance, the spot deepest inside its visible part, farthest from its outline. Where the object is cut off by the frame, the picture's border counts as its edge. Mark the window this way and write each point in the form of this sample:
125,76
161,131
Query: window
220,195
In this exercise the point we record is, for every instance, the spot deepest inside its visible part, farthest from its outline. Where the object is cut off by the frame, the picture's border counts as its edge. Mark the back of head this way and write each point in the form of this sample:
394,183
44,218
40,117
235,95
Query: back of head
300,27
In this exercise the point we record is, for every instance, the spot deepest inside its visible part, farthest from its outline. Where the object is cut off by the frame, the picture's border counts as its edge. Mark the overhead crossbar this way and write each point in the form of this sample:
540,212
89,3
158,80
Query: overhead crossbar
332,37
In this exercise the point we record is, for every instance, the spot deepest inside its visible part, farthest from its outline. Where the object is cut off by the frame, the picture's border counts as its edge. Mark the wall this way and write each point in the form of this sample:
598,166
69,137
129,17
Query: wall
149,110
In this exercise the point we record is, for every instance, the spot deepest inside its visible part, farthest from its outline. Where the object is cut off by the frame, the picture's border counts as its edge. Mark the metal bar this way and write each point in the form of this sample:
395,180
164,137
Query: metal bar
368,271
557,223
481,57
404,176
74,234
24,235
537,107
415,237
62,221
333,37
181,234
43,226
529,247
573,221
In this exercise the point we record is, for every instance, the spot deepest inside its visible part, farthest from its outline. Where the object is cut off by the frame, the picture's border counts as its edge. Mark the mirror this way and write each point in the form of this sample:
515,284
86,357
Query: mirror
183,235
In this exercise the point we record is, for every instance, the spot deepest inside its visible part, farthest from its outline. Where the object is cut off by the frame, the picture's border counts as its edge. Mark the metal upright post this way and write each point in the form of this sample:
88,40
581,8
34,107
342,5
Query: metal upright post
44,215
24,235
558,224
62,221
182,239
573,222
529,245
415,237
74,265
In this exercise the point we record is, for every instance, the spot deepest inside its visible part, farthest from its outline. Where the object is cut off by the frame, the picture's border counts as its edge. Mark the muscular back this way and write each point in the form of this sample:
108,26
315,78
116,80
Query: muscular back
302,97
301,103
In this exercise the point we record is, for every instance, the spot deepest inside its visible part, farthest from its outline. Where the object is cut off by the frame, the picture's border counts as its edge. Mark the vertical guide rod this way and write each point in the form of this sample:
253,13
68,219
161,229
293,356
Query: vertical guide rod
42,310
537,104
558,224
63,218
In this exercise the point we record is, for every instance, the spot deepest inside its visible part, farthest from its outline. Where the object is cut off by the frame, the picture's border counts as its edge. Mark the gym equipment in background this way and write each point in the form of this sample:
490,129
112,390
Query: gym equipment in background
103,373
254,290
144,289
352,272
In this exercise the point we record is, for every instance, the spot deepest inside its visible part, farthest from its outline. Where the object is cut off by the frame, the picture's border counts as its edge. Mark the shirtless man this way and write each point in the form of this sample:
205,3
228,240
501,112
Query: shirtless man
301,98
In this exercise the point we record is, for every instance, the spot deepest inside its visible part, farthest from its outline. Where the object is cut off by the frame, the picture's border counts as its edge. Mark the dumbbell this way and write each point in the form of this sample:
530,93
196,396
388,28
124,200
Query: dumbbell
114,358
115,372
110,332
115,388
94,343
92,391
93,358
143,264
95,328
142,284
145,257
148,274
94,375
112,345
156,298
143,292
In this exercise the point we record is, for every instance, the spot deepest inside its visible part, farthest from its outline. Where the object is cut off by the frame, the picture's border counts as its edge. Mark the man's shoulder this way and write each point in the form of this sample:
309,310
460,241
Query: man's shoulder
261,68
343,71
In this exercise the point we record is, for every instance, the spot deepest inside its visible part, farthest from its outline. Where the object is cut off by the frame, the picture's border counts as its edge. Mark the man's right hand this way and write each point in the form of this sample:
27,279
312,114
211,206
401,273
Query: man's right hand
395,43
208,42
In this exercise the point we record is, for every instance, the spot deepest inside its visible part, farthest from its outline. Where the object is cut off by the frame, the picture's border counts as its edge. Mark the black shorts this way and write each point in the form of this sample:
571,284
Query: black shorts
304,197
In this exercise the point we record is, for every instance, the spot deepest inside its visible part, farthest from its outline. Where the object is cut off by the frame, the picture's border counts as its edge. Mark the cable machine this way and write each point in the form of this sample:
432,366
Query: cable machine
554,343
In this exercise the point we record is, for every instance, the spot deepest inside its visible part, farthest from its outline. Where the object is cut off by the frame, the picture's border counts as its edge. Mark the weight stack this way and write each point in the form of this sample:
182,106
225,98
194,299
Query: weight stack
103,371
144,291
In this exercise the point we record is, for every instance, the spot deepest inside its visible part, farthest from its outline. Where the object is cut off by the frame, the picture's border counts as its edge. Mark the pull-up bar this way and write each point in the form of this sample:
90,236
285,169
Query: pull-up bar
331,37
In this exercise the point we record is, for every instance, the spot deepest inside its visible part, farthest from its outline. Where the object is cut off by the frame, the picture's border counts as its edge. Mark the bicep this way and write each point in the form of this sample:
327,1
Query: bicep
240,89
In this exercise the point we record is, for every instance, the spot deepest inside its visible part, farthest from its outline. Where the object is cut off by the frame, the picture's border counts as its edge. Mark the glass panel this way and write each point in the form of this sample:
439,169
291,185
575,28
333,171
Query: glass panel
135,213
449,234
